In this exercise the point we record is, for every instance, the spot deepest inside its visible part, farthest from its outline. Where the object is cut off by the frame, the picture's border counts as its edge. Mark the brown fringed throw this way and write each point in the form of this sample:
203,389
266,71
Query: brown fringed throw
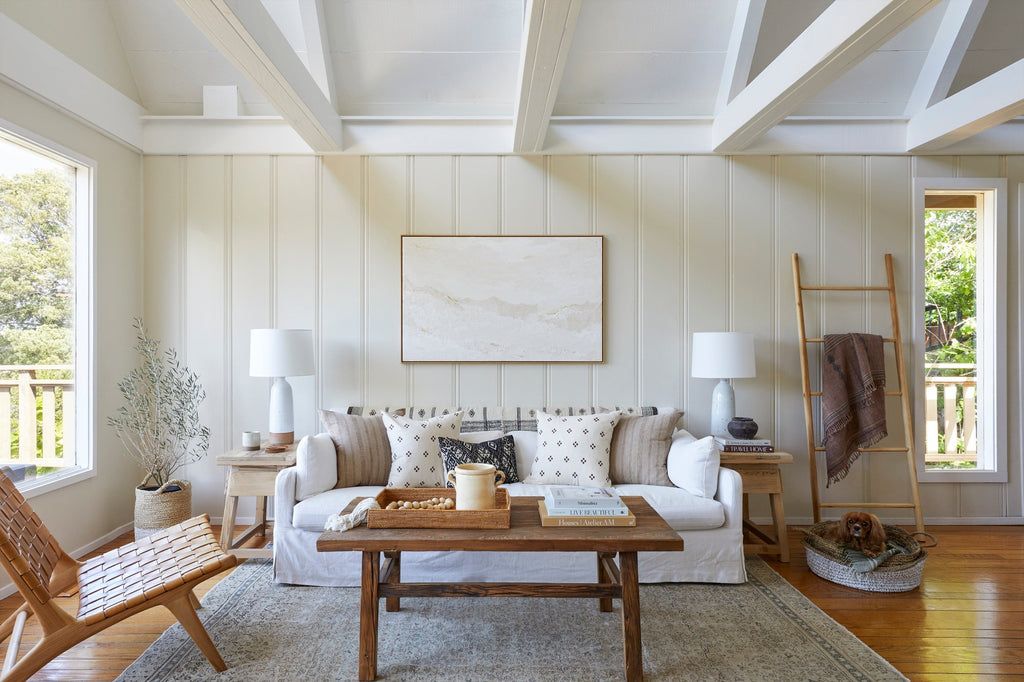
852,399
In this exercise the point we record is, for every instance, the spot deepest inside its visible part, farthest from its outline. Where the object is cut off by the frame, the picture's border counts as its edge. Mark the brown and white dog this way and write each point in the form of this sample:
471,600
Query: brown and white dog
858,530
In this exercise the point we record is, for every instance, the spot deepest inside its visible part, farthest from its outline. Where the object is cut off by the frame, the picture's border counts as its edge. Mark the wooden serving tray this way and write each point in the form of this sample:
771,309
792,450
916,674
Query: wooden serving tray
499,517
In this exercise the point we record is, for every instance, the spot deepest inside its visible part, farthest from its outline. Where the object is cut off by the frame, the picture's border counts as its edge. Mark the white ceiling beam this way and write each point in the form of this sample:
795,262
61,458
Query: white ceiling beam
844,34
956,29
246,34
318,47
987,103
746,26
372,136
43,72
547,36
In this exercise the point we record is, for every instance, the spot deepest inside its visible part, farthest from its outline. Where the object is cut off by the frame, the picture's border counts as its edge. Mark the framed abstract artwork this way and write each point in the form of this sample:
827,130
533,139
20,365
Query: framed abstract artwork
502,299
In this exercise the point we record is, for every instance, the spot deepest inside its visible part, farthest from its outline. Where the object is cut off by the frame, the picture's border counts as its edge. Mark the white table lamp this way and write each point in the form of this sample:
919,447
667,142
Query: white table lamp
723,356
281,353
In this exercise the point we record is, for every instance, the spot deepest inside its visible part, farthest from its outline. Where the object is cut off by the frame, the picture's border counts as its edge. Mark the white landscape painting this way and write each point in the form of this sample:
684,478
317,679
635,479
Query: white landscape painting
502,299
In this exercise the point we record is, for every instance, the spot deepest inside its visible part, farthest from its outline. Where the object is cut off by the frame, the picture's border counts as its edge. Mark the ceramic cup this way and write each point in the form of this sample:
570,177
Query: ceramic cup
475,485
251,440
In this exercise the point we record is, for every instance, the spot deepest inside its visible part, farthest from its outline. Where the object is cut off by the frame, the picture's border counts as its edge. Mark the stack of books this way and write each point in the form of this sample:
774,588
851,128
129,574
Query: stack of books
725,444
578,506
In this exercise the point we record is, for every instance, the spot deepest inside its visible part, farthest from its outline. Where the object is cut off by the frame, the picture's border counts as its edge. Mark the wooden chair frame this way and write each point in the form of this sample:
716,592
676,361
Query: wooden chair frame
159,570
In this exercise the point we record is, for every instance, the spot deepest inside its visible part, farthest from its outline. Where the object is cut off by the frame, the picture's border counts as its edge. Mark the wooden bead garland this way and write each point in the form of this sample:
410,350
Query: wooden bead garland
434,503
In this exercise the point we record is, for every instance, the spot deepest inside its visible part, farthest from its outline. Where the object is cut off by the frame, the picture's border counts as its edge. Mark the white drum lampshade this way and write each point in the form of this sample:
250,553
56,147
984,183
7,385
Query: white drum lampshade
280,353
723,356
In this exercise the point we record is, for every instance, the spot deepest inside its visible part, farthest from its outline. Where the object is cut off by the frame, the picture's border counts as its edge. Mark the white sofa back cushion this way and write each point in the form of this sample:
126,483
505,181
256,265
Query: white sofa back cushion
526,450
316,465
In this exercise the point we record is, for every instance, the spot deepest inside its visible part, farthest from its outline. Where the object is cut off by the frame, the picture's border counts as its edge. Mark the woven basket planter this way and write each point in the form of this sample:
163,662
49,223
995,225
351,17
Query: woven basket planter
160,508
900,573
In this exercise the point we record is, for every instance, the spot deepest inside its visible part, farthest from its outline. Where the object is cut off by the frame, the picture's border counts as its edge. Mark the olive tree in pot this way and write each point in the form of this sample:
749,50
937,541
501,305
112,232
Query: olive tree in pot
159,427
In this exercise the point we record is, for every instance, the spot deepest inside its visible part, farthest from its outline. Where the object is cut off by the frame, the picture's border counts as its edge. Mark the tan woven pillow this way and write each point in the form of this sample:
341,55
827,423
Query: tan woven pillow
364,453
640,449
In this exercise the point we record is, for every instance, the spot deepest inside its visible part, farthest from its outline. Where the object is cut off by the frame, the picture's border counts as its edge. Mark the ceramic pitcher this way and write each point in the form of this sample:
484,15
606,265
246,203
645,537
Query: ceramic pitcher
475,485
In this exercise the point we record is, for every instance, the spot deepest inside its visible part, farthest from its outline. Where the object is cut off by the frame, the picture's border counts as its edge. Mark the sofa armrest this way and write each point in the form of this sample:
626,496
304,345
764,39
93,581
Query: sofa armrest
316,465
730,494
284,497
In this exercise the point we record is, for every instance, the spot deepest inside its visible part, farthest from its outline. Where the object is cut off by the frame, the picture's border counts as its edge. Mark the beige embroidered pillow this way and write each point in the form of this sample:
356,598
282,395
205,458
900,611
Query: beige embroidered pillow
573,450
640,449
415,451
364,453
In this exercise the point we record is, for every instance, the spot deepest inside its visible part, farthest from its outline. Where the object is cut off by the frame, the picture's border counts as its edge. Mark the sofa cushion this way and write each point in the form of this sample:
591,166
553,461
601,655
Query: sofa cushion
573,450
311,514
640,449
415,453
680,509
500,452
364,453
693,464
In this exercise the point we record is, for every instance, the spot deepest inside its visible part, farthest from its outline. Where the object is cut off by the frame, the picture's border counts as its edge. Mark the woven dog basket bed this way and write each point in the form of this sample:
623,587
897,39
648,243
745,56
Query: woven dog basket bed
899,573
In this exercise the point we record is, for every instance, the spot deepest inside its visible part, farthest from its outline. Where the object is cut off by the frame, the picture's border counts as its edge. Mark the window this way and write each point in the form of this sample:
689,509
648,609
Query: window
45,312
959,329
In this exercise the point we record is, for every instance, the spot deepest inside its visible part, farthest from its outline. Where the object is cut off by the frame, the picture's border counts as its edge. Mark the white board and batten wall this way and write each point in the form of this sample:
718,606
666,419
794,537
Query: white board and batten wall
692,243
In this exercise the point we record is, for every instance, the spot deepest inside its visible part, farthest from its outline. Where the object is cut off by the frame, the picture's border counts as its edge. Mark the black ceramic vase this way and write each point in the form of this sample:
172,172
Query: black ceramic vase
743,427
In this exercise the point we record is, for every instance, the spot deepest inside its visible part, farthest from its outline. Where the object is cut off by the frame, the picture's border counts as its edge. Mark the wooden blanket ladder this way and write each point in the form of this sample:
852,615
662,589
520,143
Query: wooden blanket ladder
901,390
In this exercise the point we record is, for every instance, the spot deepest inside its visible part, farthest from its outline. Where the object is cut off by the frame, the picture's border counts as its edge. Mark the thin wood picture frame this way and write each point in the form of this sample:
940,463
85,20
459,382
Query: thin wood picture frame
529,298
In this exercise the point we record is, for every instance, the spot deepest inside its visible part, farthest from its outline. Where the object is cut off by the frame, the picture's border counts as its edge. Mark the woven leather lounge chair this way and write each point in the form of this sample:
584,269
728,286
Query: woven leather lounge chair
161,569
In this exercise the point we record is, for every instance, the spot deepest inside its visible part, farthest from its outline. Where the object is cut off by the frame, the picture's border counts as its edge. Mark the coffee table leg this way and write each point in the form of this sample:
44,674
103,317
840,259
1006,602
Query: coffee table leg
603,603
394,603
632,648
368,616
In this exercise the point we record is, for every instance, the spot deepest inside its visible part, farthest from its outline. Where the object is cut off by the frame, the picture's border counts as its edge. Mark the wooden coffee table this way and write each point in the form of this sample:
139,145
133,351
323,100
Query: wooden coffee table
614,581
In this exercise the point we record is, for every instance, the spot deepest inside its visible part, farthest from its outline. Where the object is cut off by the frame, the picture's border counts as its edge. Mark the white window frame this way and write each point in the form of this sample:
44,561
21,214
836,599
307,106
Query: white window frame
992,312
84,309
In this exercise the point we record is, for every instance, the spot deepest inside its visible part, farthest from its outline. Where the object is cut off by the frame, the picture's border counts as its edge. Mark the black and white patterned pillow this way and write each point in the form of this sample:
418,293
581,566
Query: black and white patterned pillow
501,452
574,450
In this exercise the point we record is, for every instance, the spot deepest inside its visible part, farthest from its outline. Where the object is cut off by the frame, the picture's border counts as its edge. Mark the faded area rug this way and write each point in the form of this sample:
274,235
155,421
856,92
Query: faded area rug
762,630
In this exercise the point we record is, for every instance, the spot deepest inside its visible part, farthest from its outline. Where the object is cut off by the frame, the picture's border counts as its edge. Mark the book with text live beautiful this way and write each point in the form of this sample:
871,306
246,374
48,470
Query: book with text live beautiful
578,497
583,521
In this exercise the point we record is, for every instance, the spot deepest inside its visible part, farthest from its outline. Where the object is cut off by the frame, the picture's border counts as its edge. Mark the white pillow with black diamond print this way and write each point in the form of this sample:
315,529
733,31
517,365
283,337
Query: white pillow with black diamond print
415,452
573,450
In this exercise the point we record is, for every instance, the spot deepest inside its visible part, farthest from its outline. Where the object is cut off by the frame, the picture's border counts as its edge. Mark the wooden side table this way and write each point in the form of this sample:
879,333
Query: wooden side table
250,473
760,473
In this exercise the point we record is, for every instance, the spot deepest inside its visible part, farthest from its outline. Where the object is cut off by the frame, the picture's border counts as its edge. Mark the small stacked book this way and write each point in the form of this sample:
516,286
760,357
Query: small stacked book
743,444
578,506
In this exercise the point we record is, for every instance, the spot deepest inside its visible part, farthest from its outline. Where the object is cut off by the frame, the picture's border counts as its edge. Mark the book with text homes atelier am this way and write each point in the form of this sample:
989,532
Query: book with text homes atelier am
743,445
583,501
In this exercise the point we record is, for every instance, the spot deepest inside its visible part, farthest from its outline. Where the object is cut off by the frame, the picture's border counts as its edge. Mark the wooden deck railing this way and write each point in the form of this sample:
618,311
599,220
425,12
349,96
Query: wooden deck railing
35,415
959,436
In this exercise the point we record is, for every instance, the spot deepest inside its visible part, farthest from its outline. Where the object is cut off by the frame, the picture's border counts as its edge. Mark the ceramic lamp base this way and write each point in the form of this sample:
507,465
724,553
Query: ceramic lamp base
723,408
282,438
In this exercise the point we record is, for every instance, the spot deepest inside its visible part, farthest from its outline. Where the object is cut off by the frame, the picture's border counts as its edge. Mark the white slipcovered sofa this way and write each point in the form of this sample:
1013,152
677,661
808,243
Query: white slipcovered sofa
704,505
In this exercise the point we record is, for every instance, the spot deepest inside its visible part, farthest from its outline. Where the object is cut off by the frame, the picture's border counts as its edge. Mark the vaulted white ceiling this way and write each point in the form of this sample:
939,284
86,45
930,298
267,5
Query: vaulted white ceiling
529,76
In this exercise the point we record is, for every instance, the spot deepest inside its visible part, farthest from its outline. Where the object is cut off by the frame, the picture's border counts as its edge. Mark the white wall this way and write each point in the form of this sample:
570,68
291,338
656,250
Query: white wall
83,512
695,243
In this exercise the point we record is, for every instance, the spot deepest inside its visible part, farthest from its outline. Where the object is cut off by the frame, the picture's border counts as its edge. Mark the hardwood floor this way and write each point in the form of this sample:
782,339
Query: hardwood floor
964,622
